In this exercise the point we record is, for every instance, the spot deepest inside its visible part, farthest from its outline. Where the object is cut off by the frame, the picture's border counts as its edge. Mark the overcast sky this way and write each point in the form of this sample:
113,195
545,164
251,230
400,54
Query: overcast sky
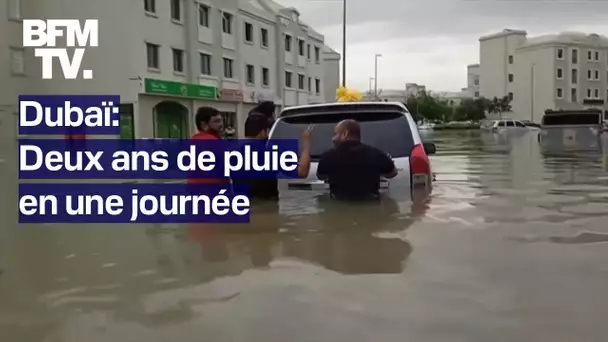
431,41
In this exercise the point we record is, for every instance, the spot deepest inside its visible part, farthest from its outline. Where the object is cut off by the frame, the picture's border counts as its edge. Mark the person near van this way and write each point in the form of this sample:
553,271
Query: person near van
352,168
208,122
257,126
266,108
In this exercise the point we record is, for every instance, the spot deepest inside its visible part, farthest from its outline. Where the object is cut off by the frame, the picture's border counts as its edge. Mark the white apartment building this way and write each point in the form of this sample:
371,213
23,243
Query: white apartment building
562,71
473,79
167,58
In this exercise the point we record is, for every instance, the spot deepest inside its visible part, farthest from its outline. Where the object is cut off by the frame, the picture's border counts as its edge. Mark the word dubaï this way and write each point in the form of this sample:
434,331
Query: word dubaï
32,158
68,115
42,34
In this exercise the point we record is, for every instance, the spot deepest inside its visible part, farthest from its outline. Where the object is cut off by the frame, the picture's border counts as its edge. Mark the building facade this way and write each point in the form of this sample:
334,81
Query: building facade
167,58
562,71
473,79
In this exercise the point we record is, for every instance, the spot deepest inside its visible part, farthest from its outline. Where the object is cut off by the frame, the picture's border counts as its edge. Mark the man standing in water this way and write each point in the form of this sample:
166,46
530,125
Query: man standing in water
208,122
257,126
353,169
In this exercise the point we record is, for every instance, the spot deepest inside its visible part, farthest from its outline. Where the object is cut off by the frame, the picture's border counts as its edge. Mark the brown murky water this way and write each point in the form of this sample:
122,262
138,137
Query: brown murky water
511,247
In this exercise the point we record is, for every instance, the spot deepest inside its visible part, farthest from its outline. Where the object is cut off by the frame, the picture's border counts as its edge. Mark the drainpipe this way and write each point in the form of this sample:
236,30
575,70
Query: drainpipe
532,73
191,24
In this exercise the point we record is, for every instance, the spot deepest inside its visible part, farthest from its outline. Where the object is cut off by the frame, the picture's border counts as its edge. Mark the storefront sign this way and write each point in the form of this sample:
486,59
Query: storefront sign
231,95
153,86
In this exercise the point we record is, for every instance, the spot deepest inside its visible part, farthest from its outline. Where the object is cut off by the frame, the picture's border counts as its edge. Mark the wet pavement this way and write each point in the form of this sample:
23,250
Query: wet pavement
511,247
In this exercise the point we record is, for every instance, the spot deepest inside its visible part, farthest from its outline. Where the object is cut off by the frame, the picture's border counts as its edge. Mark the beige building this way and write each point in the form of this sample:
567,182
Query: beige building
562,71
167,58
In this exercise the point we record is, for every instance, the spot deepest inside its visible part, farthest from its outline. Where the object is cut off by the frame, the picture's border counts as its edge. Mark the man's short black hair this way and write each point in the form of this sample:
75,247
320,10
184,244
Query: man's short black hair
255,124
204,115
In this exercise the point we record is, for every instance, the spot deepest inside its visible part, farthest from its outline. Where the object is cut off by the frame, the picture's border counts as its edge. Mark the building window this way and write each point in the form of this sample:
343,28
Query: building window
203,15
510,59
597,56
301,79
250,74
597,75
264,35
178,60
301,45
574,56
176,10
588,93
288,79
265,76
573,95
511,77
248,32
476,94
590,55
574,76
308,55
560,94
227,20
560,53
589,75
560,73
510,96
318,86
476,81
205,64
152,55
14,9
228,68
287,43
309,83
17,61
150,6
317,54
597,93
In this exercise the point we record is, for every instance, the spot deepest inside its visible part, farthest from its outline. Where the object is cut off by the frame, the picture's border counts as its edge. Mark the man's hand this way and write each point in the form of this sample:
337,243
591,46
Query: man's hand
305,136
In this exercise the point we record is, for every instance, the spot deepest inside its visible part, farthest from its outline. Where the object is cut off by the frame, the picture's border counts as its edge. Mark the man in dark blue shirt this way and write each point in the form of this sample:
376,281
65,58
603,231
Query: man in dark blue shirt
353,169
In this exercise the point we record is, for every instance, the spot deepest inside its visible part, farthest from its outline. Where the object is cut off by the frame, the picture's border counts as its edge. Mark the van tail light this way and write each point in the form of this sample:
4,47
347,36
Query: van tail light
420,167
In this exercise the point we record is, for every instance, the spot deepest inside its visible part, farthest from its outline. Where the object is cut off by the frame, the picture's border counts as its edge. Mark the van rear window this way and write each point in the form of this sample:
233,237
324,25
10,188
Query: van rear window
572,119
388,131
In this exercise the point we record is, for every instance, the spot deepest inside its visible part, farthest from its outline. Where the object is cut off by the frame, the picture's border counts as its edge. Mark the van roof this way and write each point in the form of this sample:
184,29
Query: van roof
341,106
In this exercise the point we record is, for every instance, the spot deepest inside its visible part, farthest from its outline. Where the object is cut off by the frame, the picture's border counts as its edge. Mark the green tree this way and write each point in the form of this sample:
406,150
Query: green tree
472,109
500,105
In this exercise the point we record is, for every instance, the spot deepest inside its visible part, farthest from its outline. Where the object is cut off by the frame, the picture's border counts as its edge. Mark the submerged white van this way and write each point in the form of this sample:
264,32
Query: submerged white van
387,126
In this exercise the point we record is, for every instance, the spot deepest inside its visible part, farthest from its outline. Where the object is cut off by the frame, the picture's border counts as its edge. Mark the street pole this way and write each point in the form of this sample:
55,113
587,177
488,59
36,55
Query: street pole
370,86
376,75
532,93
344,43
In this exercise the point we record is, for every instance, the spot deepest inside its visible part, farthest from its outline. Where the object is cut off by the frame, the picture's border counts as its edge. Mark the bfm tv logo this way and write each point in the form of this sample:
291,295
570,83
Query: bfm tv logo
42,34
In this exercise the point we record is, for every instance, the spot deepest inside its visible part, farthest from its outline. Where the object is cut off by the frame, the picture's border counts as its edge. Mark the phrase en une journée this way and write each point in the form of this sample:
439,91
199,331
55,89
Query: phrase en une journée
191,160
146,205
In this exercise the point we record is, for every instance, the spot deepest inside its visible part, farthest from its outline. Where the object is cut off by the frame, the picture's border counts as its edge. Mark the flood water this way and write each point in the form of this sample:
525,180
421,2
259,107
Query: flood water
511,247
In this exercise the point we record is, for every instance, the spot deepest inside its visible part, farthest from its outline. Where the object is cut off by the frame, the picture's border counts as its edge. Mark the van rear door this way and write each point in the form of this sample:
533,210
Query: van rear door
389,131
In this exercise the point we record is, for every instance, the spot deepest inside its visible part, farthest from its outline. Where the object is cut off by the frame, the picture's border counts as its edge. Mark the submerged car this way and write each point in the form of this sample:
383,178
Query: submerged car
387,126
572,131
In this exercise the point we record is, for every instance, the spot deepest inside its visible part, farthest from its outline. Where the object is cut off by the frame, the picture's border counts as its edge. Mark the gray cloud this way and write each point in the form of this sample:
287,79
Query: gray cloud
453,17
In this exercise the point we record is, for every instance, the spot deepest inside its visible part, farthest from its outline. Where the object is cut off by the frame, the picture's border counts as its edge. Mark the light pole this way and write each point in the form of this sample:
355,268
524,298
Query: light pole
376,74
532,92
344,43
370,86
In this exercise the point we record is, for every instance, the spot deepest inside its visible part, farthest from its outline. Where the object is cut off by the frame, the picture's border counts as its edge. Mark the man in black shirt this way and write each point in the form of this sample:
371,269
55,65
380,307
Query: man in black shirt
257,126
352,168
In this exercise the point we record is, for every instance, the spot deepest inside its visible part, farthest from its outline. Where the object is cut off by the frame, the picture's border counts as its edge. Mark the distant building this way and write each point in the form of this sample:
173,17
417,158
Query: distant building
413,89
559,71
472,89
331,73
